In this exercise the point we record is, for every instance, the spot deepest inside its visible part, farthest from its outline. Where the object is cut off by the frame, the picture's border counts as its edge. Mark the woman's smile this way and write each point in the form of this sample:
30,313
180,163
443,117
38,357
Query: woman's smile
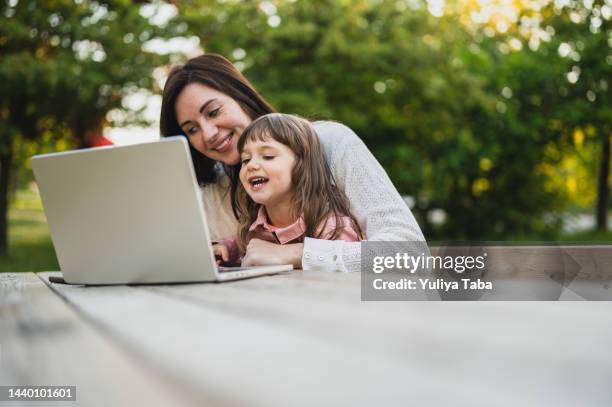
226,144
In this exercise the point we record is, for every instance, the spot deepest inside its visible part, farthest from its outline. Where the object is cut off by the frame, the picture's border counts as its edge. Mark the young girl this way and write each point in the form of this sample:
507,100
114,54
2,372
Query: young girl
287,191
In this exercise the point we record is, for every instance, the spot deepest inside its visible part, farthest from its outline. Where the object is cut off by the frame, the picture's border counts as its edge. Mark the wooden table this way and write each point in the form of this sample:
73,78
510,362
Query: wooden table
299,339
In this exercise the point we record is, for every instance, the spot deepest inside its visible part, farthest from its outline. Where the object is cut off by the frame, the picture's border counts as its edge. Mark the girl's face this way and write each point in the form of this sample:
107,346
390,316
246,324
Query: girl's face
266,171
212,121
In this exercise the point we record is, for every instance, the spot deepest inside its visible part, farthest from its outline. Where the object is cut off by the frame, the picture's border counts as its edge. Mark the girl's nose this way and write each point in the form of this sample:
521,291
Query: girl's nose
253,164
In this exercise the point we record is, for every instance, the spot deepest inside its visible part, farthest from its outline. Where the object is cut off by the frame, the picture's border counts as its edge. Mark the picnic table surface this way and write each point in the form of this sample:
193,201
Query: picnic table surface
297,339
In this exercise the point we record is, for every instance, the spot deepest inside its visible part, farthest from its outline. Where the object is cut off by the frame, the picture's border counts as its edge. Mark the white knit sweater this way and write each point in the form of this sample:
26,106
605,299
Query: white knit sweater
380,210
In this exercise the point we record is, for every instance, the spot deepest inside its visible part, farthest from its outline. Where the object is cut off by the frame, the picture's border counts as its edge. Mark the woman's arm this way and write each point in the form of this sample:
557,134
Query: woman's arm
378,207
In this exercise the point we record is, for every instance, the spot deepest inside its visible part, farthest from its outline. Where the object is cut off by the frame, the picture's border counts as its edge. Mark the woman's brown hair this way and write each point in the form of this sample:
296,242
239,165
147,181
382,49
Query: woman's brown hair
315,194
220,74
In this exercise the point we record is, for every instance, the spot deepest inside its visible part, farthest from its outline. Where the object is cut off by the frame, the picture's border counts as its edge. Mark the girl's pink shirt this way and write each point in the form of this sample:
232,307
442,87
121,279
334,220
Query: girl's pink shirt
294,233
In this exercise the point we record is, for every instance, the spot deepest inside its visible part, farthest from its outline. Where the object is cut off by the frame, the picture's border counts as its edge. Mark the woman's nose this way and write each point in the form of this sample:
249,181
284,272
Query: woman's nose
209,131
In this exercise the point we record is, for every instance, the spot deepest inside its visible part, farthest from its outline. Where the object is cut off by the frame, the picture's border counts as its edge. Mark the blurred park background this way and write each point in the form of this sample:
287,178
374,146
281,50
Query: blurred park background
492,118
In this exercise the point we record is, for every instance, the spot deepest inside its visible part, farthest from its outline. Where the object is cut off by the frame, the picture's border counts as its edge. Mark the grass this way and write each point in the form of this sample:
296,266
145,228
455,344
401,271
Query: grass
592,236
30,247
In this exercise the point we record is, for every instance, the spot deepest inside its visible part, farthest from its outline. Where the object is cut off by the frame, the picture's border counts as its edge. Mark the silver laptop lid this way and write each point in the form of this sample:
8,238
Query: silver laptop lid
130,214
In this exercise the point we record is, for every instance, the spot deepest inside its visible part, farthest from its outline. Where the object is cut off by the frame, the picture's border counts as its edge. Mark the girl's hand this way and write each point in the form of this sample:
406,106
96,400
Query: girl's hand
262,253
221,253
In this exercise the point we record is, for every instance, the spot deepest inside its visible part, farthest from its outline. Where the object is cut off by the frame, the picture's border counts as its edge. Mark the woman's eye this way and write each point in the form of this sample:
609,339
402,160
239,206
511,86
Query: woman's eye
191,130
214,112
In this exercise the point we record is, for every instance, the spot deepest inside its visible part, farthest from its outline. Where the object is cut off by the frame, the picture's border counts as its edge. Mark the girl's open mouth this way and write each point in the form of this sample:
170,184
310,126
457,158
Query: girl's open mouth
258,183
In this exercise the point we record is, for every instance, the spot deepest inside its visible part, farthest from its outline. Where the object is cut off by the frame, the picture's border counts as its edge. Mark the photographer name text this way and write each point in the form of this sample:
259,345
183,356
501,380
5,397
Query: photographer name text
439,284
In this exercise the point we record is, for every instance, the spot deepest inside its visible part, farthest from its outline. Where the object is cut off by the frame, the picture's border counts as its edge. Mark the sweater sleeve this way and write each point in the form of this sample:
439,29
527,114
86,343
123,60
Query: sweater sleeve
378,207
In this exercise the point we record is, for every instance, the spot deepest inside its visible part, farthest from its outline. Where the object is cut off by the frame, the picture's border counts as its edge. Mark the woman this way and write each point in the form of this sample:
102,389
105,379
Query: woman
210,102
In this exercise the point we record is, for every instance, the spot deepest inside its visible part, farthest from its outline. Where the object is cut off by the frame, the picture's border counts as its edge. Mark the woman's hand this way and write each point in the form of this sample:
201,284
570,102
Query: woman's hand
262,253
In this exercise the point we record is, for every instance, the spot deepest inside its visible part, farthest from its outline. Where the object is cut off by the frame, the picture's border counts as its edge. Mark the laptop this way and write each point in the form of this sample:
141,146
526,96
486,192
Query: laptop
130,215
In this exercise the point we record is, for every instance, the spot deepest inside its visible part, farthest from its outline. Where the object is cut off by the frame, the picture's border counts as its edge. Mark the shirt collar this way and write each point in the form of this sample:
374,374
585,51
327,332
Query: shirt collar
261,220
285,234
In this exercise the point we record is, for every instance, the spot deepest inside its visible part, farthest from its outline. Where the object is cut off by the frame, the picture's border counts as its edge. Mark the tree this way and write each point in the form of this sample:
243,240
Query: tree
558,81
559,52
420,89
582,38
64,65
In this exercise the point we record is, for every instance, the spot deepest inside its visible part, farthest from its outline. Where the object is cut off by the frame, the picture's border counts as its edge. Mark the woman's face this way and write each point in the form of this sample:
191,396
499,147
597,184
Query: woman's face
212,121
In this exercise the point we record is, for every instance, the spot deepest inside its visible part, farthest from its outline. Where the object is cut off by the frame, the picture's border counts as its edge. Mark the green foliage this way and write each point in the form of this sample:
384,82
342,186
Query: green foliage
65,64
500,129
460,121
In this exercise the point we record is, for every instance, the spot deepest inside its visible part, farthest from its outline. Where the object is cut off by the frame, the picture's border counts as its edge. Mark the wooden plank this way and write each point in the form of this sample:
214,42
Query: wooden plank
245,361
44,342
305,338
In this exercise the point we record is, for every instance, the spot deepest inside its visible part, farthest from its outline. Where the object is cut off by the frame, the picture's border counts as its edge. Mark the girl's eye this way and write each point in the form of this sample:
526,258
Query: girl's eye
245,161
268,157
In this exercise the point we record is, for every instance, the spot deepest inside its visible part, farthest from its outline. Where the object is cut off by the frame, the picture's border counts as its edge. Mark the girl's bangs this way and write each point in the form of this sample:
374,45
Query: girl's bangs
259,134
255,133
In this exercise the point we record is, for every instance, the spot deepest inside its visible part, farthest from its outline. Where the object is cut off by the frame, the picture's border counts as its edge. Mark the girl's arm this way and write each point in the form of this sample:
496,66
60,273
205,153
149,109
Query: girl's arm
228,250
263,253
378,207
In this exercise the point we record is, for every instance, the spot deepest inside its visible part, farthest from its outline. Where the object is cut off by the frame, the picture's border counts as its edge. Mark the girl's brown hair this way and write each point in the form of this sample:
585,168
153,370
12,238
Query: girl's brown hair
220,74
315,194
